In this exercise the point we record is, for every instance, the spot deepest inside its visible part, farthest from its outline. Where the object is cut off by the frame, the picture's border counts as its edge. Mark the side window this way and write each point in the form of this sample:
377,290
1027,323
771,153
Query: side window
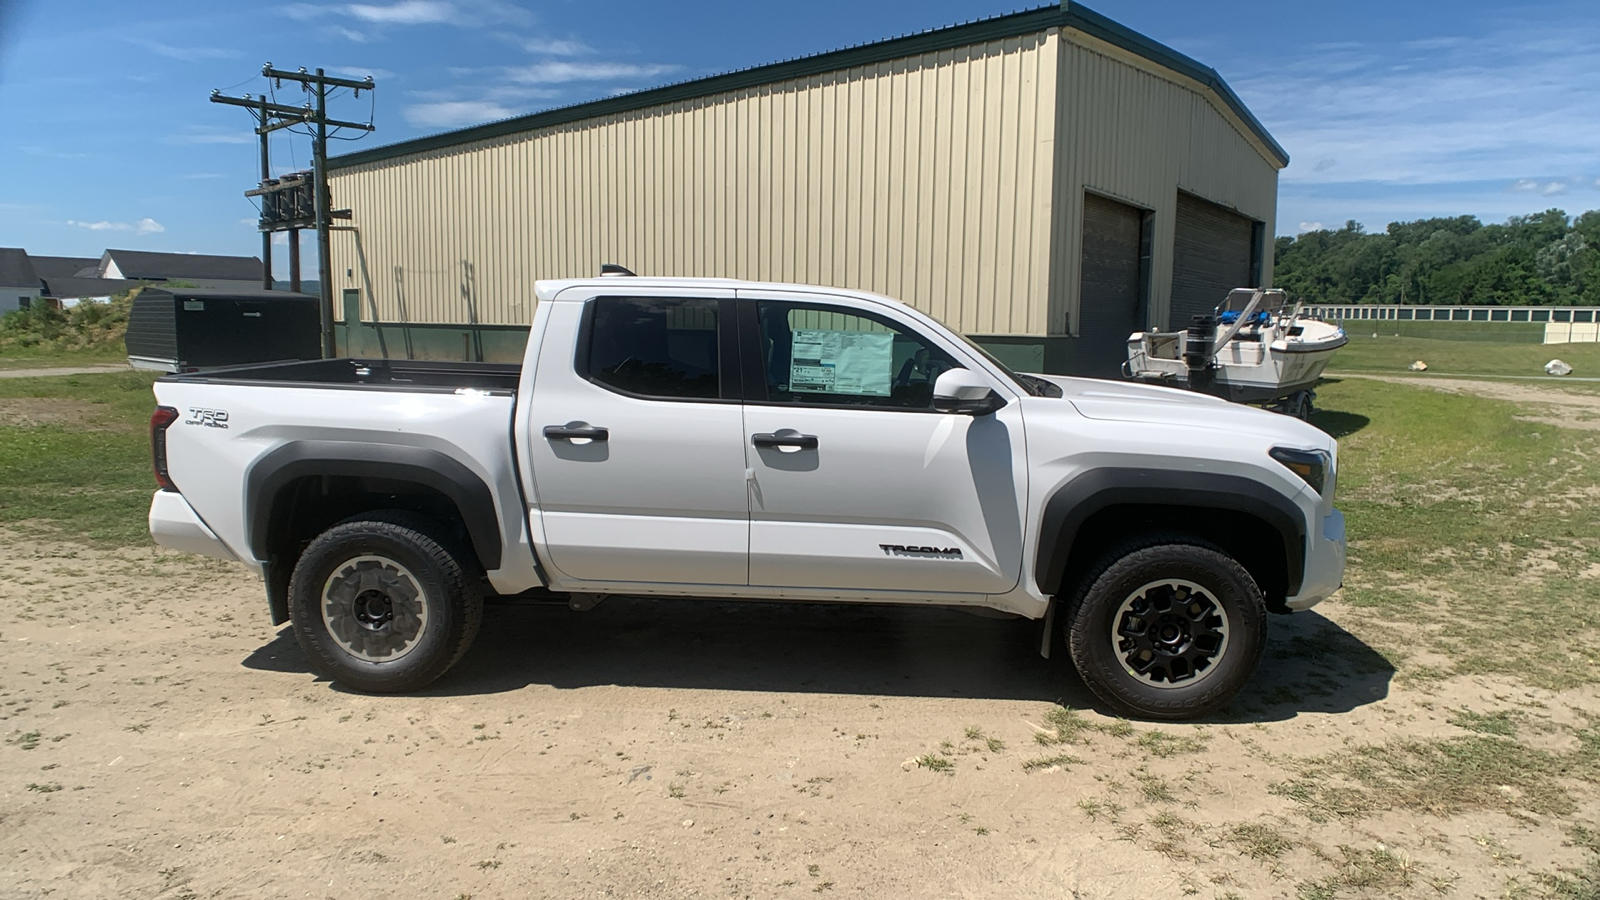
831,356
654,346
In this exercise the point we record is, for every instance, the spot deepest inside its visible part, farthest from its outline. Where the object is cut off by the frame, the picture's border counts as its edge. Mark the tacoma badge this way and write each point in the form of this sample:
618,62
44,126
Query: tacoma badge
924,552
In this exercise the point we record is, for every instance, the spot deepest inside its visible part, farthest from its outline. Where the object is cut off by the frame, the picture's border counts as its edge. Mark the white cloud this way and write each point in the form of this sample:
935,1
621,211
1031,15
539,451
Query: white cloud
462,13
241,136
1513,95
1544,188
551,47
362,72
561,71
406,12
143,226
1310,226
184,53
53,154
350,34
456,113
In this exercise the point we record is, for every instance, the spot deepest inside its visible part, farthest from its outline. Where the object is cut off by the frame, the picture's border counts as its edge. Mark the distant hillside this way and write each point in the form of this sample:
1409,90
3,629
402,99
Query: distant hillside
1545,259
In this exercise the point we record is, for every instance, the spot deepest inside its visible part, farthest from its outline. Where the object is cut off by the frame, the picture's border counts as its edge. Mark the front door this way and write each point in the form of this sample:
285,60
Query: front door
637,440
857,483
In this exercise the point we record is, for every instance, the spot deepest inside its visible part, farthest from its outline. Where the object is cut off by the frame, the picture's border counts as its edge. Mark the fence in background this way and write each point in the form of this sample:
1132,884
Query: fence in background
1528,324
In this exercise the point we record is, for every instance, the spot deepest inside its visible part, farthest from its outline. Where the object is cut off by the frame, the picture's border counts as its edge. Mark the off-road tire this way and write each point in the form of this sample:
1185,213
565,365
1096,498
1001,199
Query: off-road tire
448,581
1092,615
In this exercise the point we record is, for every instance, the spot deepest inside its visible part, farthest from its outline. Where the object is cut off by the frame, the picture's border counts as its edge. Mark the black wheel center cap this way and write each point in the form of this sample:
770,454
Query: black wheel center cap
373,609
1170,634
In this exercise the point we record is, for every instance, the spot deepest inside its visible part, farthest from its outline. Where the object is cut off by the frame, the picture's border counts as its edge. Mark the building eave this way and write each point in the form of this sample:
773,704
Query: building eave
1033,21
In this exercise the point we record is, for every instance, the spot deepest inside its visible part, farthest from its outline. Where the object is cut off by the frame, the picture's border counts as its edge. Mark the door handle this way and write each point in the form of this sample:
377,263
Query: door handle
579,430
787,437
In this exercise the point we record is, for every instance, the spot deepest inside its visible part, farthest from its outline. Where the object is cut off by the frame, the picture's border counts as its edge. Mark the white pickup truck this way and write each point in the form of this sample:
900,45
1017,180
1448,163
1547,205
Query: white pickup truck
729,439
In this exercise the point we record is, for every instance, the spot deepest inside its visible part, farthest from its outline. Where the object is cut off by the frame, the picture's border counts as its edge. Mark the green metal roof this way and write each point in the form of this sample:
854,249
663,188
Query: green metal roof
1065,15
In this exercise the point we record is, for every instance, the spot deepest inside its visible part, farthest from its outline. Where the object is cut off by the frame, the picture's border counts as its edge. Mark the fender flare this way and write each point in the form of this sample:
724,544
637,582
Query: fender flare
417,465
1074,502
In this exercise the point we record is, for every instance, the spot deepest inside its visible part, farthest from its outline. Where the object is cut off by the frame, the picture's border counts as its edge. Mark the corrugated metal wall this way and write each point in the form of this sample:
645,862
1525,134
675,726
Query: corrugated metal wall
1140,134
927,179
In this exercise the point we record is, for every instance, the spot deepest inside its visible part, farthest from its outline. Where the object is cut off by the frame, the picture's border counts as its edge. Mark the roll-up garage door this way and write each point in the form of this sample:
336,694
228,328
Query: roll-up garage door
1213,253
1110,304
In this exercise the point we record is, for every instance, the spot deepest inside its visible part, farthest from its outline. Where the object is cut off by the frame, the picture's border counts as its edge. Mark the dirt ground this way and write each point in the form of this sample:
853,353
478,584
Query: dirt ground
163,741
1545,402
62,370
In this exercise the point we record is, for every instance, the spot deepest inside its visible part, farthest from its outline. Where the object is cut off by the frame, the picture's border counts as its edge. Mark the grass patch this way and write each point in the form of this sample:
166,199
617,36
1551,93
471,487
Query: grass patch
1441,777
1503,723
1470,530
1160,743
44,336
85,472
1060,760
1257,841
1391,355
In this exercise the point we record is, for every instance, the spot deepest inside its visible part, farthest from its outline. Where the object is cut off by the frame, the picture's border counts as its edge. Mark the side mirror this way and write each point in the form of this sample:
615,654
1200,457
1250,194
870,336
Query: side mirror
966,392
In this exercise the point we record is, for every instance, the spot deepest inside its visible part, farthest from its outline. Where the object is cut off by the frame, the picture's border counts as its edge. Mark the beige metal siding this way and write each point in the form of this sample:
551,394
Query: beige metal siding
926,178
1130,130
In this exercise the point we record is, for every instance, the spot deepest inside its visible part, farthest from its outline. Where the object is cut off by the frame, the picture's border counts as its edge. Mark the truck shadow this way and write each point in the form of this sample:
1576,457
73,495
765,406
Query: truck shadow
1311,664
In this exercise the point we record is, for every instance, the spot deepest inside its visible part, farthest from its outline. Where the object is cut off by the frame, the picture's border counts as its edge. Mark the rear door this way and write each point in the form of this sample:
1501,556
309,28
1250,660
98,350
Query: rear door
636,438
857,482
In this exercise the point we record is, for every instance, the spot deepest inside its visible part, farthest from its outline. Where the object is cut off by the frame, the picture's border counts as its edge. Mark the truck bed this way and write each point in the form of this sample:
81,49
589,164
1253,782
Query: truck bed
371,374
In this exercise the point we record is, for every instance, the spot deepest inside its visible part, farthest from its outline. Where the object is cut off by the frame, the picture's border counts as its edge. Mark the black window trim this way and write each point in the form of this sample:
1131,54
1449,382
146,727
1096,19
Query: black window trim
729,370
755,380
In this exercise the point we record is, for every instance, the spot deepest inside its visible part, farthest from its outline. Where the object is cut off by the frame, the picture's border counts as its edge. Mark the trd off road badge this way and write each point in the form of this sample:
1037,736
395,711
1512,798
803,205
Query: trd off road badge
922,552
211,418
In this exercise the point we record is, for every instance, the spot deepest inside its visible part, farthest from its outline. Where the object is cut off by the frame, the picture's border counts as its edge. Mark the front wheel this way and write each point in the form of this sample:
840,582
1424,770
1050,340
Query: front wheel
382,605
1167,629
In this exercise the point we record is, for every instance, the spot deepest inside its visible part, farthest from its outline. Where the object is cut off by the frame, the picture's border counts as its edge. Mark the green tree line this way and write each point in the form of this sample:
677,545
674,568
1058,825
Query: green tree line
1546,259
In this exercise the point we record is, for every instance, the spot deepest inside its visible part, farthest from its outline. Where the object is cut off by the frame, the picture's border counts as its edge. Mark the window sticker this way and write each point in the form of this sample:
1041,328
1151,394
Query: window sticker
841,362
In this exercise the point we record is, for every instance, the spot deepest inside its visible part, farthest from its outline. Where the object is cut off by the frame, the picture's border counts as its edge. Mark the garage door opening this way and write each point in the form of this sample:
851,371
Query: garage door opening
1214,251
1112,279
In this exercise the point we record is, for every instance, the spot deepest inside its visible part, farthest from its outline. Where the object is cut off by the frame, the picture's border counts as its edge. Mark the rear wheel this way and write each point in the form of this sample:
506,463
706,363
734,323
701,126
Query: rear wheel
381,603
1167,628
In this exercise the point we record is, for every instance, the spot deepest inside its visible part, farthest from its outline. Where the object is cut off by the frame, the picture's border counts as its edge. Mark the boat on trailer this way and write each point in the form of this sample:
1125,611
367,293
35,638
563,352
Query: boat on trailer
1254,348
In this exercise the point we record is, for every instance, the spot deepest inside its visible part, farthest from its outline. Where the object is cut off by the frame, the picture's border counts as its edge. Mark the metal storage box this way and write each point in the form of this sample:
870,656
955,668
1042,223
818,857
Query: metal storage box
182,330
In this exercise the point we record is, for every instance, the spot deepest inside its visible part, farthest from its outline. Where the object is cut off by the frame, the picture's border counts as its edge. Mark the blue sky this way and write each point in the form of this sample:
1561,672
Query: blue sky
1393,110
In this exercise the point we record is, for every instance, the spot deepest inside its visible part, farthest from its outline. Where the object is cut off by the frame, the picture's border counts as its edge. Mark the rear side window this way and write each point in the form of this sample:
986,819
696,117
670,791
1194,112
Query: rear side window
655,346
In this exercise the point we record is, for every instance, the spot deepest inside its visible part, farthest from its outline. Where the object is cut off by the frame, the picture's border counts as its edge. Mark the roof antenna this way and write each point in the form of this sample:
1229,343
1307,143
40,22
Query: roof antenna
612,270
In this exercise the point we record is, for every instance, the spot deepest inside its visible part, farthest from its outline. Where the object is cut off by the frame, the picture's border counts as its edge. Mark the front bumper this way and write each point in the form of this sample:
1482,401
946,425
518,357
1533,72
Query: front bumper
1324,564
174,524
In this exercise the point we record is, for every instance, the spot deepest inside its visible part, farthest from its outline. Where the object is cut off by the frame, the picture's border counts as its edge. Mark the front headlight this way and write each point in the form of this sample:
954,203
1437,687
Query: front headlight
1314,466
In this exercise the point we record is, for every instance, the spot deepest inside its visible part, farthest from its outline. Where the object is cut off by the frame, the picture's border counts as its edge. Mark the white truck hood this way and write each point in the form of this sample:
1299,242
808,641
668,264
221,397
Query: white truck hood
1127,402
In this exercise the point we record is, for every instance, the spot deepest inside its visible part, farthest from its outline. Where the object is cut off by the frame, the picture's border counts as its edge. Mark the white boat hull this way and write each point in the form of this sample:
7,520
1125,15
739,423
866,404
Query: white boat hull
1264,362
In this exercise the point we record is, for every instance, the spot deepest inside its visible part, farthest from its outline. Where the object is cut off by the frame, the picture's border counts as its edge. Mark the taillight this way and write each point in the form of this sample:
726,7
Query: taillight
159,420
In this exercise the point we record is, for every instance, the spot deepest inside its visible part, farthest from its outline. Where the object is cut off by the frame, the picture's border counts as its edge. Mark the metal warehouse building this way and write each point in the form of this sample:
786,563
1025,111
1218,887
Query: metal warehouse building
1046,181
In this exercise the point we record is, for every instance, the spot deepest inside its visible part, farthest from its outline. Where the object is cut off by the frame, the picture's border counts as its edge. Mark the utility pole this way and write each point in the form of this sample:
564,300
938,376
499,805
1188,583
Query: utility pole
266,173
280,198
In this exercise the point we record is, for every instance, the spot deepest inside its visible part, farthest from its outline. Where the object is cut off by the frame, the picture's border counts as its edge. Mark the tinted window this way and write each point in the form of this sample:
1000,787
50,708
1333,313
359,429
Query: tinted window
829,356
656,346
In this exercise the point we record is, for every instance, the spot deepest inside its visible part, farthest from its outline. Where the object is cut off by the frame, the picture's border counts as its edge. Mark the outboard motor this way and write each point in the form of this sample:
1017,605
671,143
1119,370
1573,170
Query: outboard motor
1197,351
